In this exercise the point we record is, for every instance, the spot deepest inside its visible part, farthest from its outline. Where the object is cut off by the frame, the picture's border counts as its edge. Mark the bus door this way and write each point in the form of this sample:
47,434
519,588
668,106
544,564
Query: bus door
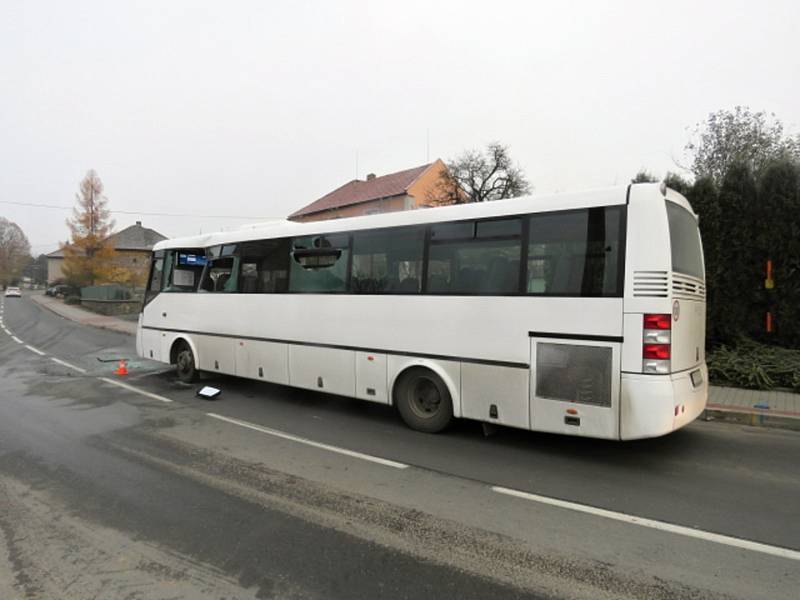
575,386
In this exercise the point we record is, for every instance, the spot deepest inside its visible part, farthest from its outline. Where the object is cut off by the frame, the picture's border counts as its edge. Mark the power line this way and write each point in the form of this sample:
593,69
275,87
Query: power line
141,213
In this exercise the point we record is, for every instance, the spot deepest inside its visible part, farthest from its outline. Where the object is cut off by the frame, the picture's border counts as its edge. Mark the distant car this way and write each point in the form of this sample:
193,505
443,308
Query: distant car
13,292
62,290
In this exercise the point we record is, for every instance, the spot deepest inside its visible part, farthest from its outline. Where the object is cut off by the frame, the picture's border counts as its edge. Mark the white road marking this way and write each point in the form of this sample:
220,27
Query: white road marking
134,389
307,442
16,339
68,365
659,525
36,350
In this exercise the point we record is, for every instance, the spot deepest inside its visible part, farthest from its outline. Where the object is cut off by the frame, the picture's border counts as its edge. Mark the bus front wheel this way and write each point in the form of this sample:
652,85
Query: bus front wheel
185,366
423,400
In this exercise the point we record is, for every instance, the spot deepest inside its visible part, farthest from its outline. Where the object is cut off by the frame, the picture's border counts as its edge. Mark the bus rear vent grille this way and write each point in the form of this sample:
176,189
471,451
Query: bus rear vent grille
687,288
650,284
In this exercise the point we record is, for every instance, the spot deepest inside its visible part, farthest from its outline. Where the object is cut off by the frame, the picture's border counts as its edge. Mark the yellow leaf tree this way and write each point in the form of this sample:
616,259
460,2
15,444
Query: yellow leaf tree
88,257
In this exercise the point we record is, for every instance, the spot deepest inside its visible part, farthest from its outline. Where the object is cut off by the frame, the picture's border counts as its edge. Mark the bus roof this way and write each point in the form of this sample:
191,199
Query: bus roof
523,205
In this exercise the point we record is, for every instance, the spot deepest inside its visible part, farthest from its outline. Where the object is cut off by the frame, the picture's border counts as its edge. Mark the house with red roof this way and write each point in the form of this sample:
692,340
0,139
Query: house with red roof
132,248
404,190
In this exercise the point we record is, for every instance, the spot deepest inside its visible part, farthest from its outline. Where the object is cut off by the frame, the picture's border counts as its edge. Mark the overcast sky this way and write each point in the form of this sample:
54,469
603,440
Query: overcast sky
257,108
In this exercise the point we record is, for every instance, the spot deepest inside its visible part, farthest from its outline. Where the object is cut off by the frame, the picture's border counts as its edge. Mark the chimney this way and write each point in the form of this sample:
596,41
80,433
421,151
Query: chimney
370,176
139,223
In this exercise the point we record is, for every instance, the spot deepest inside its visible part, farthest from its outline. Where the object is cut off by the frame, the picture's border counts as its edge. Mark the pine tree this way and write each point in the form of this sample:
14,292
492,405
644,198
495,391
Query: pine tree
88,257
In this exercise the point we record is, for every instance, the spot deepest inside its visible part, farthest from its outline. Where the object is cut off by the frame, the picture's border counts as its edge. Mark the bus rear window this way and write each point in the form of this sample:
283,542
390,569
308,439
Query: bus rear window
684,241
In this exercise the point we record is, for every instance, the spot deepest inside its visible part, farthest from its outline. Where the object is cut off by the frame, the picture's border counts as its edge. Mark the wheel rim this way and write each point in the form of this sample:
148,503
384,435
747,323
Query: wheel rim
424,398
185,363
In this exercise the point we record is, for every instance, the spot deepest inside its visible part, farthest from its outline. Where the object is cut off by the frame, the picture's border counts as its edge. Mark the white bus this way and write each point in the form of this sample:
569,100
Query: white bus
581,314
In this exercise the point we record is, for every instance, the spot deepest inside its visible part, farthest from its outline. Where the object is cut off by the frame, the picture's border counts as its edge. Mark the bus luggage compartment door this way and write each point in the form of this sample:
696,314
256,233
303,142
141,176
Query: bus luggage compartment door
575,387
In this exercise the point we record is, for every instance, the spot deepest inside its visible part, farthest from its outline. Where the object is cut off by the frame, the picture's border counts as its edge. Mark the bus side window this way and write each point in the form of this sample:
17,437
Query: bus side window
557,252
319,263
156,276
388,262
574,253
264,267
182,270
480,258
221,273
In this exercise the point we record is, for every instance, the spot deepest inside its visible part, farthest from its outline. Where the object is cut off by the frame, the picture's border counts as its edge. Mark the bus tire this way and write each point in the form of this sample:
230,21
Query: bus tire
423,400
185,365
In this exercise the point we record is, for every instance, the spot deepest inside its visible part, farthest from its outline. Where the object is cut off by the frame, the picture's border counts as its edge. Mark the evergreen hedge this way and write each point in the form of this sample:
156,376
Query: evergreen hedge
746,220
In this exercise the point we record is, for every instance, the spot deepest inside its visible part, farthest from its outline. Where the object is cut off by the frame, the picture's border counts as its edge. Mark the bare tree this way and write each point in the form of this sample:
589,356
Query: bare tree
476,176
15,252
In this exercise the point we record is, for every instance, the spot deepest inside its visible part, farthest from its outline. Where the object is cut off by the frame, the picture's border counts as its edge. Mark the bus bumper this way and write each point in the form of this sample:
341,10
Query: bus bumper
654,405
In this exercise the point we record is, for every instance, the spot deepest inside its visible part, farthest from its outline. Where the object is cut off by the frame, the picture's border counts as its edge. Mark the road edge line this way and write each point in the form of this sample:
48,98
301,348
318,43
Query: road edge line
135,389
301,440
653,524
64,363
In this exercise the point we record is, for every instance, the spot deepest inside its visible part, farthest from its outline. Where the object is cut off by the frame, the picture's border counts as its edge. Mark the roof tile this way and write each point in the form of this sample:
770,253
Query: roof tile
358,191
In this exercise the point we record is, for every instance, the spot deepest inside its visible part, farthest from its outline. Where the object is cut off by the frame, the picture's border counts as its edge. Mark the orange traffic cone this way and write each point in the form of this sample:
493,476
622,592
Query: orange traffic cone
122,368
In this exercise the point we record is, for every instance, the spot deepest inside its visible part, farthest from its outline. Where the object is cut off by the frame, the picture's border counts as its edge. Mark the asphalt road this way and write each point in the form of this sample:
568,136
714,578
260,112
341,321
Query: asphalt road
108,492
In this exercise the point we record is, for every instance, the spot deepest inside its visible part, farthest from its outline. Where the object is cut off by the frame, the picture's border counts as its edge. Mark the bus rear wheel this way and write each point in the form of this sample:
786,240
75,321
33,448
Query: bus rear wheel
185,367
423,400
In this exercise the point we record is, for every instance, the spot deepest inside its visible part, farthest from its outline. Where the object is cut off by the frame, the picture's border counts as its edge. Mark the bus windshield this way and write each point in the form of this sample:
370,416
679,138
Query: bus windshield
684,241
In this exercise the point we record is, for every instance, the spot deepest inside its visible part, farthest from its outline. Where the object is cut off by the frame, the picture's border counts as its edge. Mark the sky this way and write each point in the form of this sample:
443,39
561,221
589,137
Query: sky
251,110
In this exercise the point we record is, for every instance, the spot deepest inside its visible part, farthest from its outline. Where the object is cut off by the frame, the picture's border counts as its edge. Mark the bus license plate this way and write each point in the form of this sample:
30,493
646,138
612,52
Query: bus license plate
697,377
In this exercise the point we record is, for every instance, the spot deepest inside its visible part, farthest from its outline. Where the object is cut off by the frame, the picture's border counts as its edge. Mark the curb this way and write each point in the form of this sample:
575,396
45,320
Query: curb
53,310
753,418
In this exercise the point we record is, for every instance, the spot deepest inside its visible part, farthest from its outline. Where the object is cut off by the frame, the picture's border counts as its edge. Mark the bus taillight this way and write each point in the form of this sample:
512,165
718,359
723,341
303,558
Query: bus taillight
656,351
657,343
659,321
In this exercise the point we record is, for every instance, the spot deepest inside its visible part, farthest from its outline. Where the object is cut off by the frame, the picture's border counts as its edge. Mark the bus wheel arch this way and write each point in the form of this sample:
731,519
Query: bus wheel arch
423,395
183,355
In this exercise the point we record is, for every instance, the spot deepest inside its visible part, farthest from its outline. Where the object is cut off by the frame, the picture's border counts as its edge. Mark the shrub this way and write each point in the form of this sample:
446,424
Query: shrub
753,365
72,300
